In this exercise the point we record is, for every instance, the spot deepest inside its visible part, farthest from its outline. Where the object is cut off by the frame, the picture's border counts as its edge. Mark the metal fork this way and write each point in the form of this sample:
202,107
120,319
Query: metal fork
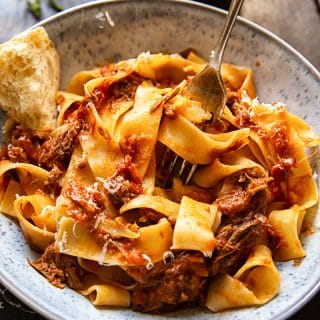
207,88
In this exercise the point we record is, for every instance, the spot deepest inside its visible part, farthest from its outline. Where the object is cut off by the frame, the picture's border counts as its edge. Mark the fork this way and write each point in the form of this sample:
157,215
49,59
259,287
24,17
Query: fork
208,89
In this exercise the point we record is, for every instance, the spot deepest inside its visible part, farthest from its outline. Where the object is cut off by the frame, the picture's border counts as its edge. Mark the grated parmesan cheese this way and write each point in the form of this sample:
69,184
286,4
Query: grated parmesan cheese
62,242
110,21
97,222
111,186
74,230
166,255
149,264
103,253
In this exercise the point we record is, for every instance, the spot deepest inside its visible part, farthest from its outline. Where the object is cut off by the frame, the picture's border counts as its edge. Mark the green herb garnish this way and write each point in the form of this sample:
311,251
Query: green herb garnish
34,6
55,5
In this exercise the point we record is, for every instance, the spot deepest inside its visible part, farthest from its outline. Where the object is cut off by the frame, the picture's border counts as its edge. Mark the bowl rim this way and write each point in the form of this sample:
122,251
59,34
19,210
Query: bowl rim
49,314
191,3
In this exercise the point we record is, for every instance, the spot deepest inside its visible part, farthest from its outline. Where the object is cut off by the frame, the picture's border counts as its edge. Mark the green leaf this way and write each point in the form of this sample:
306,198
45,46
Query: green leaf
34,6
55,5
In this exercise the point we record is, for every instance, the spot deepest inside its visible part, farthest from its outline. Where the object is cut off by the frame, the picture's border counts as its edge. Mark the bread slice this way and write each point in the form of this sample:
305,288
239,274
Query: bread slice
29,79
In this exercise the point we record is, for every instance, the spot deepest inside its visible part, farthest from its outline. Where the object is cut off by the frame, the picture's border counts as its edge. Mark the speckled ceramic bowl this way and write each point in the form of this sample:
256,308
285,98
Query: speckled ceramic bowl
91,34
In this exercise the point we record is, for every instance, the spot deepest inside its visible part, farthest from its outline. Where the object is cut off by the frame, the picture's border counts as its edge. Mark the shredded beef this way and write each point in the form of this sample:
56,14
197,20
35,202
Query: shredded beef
234,201
168,285
23,146
235,240
86,201
58,150
125,184
52,183
232,97
109,96
59,269
149,216
241,112
250,191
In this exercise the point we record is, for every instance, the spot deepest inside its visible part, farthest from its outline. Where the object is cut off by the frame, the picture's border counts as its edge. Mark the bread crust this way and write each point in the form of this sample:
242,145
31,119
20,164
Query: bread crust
29,79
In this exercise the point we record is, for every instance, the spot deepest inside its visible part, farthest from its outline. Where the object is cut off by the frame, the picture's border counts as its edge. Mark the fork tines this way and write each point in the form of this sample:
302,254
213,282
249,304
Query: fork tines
175,166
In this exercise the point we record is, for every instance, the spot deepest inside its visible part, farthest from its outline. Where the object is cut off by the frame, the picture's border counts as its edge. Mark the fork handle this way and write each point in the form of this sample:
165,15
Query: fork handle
217,53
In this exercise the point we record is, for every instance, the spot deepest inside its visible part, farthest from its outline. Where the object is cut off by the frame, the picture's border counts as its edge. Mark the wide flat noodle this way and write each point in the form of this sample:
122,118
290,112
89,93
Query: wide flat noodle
180,135
74,239
165,67
38,208
103,294
65,100
193,229
100,150
155,240
304,131
31,178
238,78
141,125
37,236
156,203
9,196
76,84
300,187
34,171
255,283
289,222
109,114
219,169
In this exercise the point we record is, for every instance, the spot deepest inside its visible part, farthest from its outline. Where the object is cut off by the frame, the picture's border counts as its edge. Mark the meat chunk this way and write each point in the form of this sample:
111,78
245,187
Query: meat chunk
87,201
23,146
246,191
126,183
58,150
59,269
109,96
169,285
234,201
236,239
52,183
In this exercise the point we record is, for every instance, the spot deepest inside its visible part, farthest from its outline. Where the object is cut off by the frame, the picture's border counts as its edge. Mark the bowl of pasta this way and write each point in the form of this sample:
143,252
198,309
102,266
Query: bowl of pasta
91,225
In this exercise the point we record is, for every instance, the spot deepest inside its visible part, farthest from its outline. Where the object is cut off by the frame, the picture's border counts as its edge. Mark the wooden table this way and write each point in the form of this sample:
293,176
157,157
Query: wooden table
297,22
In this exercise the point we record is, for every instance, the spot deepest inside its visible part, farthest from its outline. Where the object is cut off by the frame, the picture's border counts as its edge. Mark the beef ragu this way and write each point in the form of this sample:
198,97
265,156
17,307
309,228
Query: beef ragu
172,244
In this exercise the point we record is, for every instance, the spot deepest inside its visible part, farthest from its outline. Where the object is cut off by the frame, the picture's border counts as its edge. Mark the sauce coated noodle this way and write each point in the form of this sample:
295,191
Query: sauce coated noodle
93,197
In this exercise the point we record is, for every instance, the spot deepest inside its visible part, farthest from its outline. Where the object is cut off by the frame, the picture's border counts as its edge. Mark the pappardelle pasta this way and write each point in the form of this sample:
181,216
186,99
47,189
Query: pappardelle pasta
93,196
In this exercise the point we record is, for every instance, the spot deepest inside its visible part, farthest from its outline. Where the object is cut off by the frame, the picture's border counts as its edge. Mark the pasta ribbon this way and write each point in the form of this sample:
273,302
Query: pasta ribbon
180,135
103,294
101,151
304,131
289,223
238,78
141,125
38,236
35,174
165,67
255,283
9,195
77,82
65,101
193,229
75,239
219,169
155,240
156,203
39,208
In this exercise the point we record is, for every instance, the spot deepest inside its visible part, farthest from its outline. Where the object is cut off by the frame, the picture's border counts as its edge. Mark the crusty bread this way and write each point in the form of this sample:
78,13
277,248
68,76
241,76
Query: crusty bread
29,79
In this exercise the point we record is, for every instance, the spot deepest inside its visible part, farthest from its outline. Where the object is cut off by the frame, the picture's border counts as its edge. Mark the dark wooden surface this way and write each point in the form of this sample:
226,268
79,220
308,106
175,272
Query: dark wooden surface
296,21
